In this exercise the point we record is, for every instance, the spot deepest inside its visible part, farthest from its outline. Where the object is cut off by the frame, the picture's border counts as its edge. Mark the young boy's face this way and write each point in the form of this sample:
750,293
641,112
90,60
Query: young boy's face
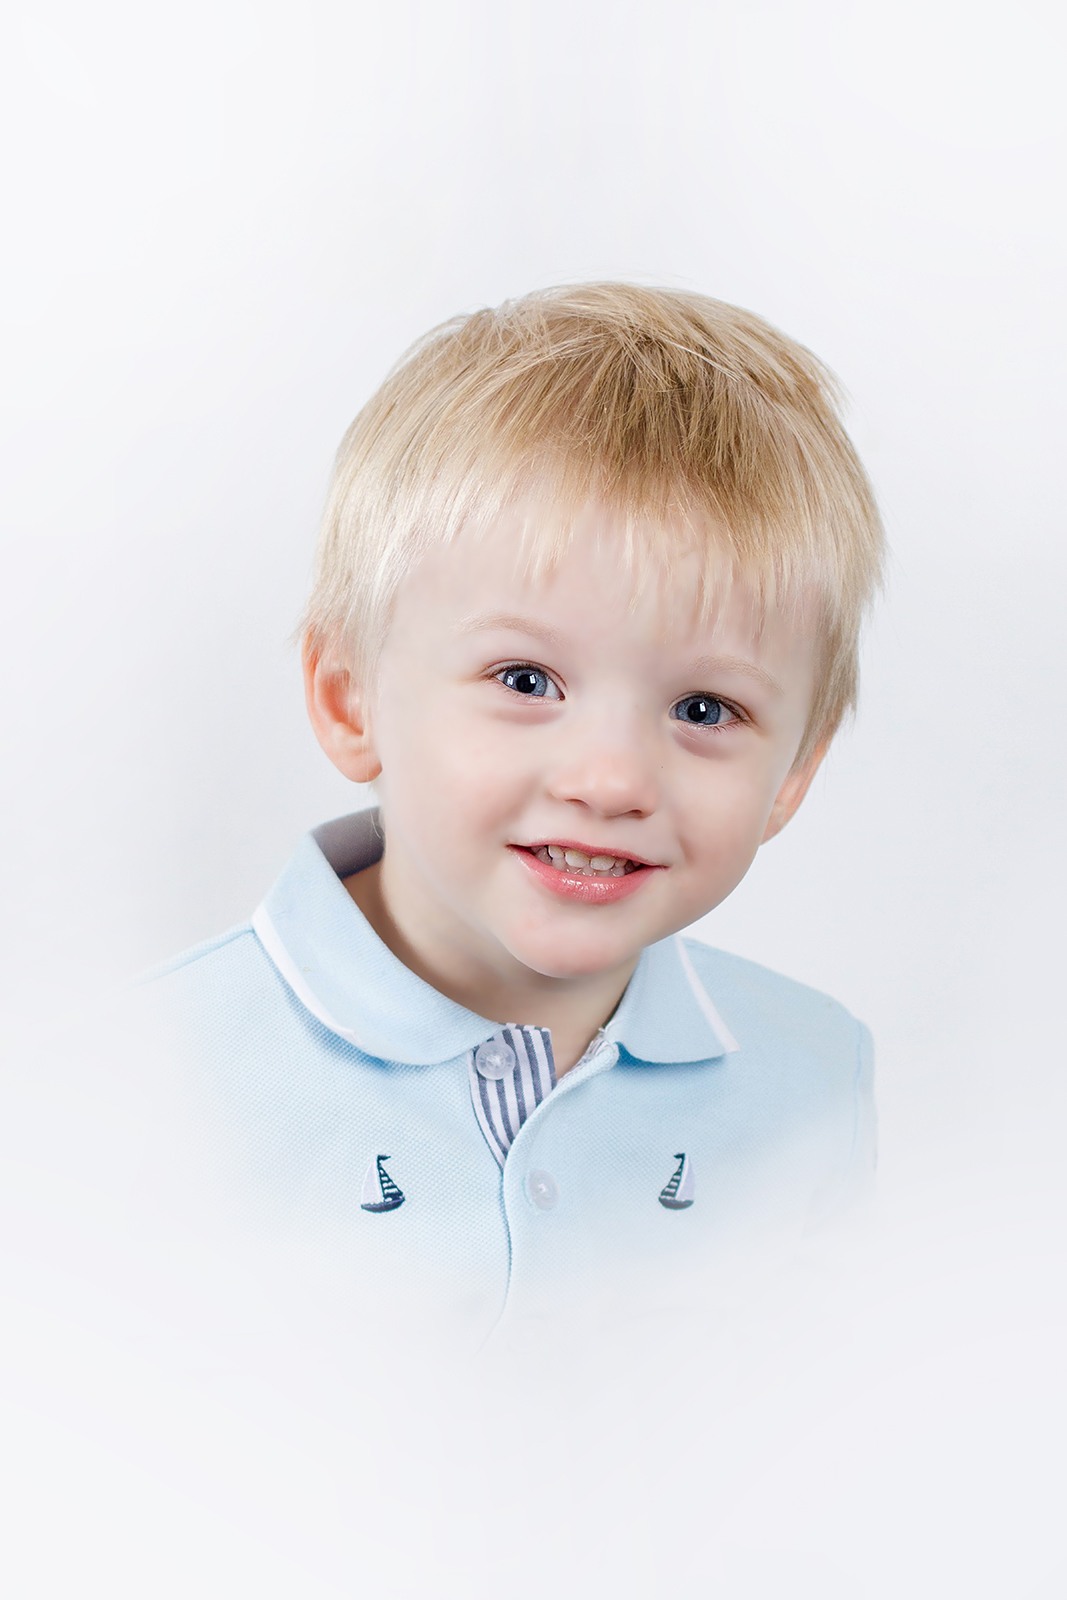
570,771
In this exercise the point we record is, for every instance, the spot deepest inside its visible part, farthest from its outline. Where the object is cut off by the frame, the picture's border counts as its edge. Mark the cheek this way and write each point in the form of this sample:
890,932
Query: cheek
726,810
446,768
737,788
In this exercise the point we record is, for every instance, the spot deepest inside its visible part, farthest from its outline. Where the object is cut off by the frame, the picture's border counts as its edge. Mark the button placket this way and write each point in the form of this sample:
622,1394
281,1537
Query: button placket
495,1059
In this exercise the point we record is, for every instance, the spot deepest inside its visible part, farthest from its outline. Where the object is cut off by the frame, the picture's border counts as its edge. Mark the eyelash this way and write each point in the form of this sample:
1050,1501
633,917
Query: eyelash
735,711
737,715
498,673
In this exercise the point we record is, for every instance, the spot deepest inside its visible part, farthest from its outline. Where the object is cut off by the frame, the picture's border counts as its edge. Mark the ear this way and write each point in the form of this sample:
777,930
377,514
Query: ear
792,792
338,713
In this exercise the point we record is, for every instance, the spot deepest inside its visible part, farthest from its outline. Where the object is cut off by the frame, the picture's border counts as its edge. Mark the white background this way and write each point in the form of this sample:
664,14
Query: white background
223,223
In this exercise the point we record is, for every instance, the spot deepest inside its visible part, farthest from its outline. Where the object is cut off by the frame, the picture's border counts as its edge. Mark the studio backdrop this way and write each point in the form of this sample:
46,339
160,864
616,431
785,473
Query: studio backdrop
224,222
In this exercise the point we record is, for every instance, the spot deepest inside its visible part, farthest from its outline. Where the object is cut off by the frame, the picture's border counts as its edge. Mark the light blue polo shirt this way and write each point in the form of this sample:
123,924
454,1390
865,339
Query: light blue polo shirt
338,1089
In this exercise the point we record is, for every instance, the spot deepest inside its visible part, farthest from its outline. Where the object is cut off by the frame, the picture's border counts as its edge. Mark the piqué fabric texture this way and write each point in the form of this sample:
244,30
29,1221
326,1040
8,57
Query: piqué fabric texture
318,1058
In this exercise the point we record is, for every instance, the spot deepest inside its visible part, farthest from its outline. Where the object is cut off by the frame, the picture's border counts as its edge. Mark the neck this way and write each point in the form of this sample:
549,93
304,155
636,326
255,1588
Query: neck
573,1009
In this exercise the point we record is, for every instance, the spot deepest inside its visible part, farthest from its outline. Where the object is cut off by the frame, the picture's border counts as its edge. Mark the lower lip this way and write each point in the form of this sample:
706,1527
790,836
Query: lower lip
588,891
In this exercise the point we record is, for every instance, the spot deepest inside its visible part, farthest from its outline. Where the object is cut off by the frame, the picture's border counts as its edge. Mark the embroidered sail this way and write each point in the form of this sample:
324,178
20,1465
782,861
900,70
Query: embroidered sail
680,1191
380,1193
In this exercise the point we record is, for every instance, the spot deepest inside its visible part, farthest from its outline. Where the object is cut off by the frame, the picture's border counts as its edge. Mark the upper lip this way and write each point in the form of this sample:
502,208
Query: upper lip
591,850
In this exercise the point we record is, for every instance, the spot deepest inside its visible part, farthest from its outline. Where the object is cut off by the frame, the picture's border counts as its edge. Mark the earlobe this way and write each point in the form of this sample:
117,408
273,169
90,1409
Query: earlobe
792,792
339,716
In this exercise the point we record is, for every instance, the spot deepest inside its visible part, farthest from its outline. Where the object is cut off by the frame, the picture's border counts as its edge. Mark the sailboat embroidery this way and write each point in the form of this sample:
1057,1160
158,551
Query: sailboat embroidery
681,1190
380,1193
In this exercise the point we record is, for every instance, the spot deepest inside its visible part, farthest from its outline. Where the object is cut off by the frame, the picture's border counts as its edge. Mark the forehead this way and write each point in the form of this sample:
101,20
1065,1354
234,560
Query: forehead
597,574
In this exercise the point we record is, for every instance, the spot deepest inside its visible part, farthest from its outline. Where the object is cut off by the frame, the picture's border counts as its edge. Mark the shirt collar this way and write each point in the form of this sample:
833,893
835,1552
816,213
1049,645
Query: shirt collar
336,965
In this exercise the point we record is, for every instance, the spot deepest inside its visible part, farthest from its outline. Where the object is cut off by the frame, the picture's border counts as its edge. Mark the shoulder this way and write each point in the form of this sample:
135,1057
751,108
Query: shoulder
766,1010
221,950
803,1052
225,984
228,960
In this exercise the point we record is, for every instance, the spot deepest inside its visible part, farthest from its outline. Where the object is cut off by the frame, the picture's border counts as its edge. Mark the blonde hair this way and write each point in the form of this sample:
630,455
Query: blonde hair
684,414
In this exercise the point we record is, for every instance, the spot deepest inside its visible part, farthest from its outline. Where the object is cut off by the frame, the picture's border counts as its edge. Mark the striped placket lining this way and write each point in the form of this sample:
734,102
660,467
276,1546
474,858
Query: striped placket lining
503,1103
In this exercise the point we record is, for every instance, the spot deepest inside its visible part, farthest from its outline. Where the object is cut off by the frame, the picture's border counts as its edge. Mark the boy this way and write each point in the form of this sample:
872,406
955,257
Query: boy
586,611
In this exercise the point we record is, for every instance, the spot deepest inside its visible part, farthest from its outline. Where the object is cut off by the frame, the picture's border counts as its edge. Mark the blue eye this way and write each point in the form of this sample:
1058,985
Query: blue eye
529,681
702,711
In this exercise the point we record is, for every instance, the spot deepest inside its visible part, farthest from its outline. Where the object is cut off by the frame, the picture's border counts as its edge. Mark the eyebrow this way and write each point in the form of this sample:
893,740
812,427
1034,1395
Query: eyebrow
505,622
737,664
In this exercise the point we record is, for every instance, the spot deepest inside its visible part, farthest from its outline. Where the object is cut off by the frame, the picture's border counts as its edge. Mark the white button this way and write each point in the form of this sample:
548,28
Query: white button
495,1059
543,1190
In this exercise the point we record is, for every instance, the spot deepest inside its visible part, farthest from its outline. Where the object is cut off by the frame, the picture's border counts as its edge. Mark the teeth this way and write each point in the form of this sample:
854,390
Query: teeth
585,866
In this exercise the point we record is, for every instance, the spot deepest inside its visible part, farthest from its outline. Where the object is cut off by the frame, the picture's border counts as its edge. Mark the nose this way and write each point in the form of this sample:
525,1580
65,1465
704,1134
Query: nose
611,773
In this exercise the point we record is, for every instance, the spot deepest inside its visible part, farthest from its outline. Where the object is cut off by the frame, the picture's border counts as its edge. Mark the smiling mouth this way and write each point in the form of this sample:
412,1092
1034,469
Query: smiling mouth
566,859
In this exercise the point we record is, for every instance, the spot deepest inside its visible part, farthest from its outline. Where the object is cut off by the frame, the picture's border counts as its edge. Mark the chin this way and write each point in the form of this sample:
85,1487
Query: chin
559,960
